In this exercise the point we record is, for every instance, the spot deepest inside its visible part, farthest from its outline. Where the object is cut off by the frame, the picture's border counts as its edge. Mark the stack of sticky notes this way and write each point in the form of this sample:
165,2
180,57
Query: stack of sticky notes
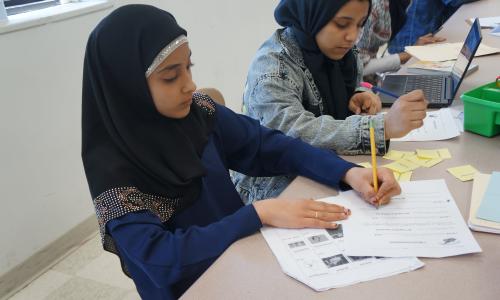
404,162
463,173
484,214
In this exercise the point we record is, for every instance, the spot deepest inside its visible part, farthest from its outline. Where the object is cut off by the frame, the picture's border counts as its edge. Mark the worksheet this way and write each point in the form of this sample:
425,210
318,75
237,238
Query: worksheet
423,221
316,258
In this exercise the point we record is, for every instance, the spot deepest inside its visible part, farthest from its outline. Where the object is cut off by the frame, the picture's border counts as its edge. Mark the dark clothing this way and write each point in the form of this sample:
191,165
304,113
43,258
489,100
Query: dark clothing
165,259
335,79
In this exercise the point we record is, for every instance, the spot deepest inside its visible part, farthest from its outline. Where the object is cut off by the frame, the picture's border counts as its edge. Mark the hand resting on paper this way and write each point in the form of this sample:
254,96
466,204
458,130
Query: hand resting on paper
308,213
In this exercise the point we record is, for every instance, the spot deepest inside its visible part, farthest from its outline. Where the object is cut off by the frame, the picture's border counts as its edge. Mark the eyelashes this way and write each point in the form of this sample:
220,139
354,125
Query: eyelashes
172,79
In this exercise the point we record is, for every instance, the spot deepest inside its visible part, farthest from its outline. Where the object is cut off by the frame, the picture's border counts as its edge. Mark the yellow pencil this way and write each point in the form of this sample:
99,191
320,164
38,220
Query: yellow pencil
374,159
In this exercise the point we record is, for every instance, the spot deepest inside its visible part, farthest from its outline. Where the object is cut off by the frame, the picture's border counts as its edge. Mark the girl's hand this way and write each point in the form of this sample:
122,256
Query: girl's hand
303,213
361,180
366,103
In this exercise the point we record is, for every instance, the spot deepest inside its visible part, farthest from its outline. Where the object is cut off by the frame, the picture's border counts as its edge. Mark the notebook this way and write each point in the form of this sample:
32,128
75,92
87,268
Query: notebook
479,187
439,90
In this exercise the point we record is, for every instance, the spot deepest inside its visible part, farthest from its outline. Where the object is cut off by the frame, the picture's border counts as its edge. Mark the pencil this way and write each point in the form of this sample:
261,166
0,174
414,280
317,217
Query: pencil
375,89
374,159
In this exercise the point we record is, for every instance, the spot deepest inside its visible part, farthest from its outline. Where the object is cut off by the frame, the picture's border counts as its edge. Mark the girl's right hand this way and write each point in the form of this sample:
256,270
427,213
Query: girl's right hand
303,213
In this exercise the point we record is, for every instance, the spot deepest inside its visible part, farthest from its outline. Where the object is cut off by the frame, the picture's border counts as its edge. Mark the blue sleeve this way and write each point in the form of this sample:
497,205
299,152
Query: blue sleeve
255,150
167,257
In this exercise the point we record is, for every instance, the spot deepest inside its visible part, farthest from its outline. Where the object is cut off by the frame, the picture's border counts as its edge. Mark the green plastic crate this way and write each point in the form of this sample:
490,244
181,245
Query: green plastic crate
482,110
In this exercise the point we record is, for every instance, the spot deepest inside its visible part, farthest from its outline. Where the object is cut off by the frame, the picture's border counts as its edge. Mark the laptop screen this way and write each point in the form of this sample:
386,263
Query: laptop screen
466,54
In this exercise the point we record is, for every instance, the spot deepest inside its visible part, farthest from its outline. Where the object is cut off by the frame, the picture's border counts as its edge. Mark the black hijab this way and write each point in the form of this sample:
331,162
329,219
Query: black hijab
335,79
397,10
126,142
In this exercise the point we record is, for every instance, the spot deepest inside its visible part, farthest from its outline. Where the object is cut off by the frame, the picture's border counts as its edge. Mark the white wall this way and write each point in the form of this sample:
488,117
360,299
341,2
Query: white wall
43,188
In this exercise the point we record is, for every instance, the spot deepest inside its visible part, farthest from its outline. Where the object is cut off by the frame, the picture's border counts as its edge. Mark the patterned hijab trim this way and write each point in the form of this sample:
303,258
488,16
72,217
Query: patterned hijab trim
182,39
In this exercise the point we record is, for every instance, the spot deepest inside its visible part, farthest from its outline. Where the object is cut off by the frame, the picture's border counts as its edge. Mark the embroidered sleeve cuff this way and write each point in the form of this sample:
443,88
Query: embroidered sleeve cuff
380,143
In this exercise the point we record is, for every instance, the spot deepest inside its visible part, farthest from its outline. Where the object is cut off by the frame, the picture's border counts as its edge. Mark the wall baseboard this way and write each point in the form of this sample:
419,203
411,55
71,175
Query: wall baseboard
24,273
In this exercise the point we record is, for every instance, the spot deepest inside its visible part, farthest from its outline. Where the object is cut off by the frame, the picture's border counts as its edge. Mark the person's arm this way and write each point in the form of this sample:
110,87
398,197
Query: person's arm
255,150
166,256
387,63
277,103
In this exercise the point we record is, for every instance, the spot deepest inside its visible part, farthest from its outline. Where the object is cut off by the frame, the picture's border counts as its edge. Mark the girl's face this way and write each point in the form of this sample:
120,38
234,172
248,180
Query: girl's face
171,84
338,36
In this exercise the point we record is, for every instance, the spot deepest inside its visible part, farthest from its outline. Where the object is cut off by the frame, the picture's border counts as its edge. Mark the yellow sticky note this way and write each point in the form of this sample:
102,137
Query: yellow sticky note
463,173
443,153
403,176
402,166
424,162
365,164
396,155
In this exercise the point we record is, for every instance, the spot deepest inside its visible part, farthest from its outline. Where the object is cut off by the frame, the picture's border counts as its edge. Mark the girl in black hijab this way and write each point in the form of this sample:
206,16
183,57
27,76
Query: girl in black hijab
156,157
334,75
303,81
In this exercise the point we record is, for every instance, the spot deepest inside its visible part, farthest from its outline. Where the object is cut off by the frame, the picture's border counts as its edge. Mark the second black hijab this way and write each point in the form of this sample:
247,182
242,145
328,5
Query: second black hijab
335,79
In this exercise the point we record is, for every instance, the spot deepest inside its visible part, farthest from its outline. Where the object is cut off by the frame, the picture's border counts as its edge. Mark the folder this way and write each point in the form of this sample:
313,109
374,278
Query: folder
479,186
490,203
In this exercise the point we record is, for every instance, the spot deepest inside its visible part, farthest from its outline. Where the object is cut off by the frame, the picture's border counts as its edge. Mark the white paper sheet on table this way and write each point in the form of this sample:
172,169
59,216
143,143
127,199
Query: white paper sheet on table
438,125
423,221
457,112
495,31
315,257
445,51
488,22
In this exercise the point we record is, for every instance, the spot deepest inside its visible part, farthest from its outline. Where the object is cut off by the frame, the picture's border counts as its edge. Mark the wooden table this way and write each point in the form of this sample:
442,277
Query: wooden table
248,269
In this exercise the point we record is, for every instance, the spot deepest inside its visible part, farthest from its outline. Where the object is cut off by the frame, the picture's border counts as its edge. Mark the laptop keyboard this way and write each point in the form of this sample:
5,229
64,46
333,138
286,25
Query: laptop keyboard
432,86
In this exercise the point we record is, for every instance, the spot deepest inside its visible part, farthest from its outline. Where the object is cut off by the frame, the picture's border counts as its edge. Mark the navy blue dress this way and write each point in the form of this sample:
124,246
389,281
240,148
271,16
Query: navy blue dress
164,259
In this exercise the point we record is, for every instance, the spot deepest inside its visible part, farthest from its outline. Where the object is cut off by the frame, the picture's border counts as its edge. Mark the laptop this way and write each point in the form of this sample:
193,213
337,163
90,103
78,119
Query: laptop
439,90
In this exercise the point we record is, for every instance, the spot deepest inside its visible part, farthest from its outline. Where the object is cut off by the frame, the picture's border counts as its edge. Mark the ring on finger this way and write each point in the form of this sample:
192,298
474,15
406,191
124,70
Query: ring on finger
316,214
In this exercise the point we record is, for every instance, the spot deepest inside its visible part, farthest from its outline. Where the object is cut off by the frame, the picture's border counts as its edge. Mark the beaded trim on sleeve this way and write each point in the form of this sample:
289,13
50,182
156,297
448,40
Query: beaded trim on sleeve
117,202
166,52
204,102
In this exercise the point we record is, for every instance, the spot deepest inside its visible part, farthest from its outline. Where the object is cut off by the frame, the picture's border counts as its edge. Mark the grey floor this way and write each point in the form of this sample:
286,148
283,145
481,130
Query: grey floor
87,273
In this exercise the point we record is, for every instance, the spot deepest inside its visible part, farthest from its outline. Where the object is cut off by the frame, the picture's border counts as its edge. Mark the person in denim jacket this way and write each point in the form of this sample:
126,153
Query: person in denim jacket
303,82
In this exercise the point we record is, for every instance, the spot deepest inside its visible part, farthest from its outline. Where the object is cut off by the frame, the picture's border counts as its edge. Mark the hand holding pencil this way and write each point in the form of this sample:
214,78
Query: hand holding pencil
361,180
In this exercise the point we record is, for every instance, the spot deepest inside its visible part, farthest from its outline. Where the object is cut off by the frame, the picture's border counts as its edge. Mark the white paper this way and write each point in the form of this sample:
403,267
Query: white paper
3,13
445,51
457,112
496,31
423,221
438,125
487,22
315,257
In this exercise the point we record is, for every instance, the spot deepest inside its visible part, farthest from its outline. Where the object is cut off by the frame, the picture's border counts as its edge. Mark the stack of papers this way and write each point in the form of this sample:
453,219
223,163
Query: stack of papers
445,51
374,243
437,67
481,183
438,125
316,258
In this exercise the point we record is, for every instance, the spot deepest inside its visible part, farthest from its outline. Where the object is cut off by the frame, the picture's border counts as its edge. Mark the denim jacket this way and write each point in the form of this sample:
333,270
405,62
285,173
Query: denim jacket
278,85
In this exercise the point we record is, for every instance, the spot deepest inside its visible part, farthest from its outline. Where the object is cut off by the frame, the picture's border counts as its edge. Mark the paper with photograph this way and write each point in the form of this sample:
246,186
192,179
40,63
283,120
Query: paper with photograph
423,221
316,258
